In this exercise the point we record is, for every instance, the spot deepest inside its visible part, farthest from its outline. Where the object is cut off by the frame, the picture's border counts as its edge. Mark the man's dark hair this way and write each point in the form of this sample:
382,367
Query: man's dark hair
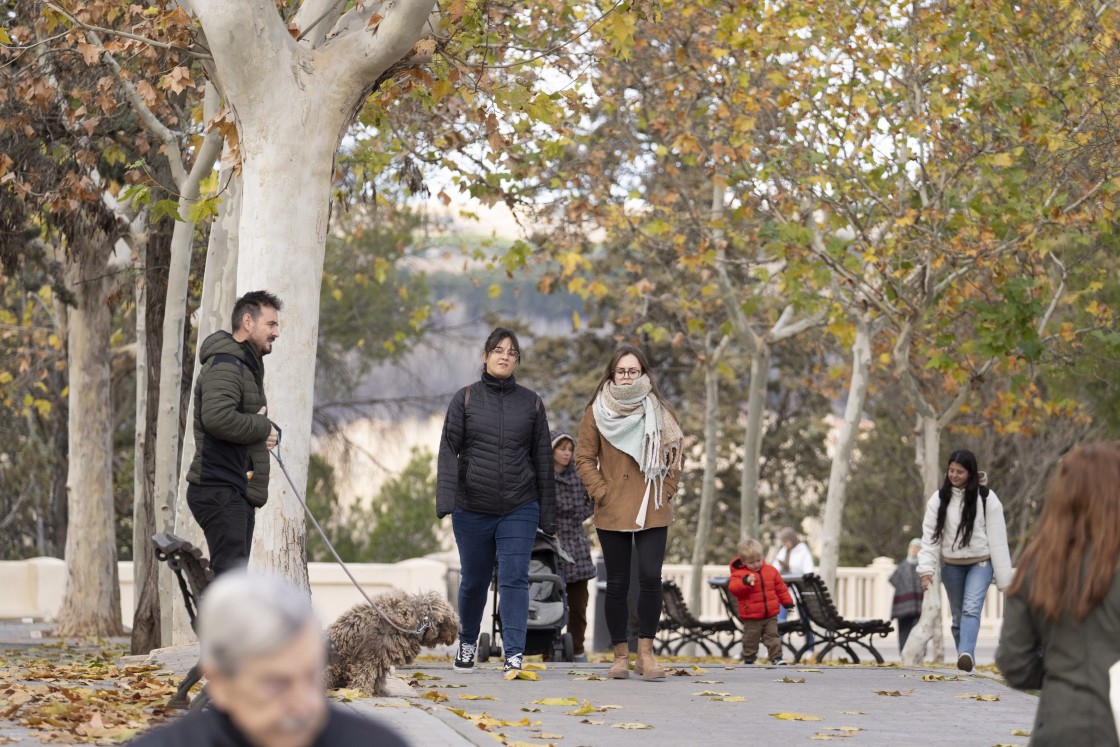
251,304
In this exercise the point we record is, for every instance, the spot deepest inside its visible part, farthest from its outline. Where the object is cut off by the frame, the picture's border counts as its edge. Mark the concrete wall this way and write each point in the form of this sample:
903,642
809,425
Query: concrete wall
34,588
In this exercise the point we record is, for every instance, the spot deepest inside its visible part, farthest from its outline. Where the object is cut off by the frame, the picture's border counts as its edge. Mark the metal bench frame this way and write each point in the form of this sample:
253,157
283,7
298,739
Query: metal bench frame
194,575
681,627
832,630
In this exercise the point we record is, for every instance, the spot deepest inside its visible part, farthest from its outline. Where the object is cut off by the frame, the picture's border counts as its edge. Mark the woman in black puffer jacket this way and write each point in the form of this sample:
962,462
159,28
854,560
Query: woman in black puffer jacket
495,479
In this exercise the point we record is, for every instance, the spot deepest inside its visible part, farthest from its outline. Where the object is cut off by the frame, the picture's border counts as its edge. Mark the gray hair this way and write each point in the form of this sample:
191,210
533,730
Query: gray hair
243,617
788,534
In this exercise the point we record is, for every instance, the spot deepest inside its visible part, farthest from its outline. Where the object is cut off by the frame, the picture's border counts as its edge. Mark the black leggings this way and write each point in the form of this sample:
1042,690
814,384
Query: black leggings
617,547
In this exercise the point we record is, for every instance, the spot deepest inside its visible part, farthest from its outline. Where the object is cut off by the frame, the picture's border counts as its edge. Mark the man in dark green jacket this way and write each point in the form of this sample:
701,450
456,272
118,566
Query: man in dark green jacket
228,477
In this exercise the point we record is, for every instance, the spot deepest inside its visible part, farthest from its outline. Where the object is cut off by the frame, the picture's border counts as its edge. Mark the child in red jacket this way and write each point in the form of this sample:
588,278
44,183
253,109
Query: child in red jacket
760,590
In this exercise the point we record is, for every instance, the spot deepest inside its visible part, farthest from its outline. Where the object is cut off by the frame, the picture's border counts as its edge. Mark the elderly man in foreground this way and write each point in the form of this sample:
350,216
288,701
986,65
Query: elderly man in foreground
263,656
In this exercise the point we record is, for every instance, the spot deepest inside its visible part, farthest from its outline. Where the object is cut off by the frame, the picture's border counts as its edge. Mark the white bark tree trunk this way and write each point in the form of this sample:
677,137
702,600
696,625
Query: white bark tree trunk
841,459
92,604
219,292
708,486
140,505
750,507
292,103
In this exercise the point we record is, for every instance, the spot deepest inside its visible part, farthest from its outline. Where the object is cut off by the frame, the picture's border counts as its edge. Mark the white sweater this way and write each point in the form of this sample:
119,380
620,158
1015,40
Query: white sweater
800,559
989,536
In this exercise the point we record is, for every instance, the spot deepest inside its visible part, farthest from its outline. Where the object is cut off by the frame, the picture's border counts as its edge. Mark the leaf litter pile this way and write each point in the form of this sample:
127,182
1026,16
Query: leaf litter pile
82,696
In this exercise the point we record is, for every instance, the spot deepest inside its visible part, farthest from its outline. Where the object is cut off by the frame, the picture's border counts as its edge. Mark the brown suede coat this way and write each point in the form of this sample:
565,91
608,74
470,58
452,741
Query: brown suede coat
615,482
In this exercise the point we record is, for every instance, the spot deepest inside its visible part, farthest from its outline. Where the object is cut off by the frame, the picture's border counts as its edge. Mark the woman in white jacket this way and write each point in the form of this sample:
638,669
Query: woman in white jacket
964,533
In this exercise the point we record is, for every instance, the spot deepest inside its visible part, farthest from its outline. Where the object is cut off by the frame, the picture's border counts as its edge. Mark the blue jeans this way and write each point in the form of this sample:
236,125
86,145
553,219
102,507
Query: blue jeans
482,539
966,586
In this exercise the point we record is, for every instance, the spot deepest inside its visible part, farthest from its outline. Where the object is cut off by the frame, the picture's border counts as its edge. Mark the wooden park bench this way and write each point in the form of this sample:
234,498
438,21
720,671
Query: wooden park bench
679,627
194,575
832,630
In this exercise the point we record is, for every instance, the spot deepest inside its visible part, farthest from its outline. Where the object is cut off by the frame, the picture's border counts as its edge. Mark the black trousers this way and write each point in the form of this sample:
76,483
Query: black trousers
647,548
227,520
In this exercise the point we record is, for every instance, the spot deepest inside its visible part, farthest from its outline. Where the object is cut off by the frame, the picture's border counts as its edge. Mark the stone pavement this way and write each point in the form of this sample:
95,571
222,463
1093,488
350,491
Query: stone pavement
705,704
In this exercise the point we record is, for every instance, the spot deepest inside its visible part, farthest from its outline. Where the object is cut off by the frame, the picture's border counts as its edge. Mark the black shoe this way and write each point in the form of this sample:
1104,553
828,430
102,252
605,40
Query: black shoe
464,660
513,663
964,662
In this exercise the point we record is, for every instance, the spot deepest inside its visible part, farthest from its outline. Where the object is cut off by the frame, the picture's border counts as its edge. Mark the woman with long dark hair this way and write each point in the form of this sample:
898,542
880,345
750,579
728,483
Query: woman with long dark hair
965,534
629,457
1061,617
495,479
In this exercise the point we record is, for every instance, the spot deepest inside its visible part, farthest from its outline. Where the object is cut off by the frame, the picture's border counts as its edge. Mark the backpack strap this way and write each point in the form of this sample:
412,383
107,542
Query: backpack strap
229,358
984,490
466,396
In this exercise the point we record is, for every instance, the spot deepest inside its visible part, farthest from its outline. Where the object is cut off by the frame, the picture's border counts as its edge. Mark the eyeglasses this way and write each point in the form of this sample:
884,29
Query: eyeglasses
628,373
502,351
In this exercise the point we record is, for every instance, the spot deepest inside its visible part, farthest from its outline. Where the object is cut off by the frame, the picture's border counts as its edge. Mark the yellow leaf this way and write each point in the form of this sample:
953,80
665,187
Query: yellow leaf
557,701
584,710
711,693
577,322
5,377
983,698
792,680
464,696
336,294
520,674
534,666
494,291
1001,159
435,697
423,676
731,699
632,725
1020,733
346,694
795,717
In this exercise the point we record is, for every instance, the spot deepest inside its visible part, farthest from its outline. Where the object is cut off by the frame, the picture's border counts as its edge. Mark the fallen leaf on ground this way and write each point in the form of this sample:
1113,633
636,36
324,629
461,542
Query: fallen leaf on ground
520,674
731,699
465,696
792,680
894,693
531,710
631,725
557,701
534,666
434,696
698,670
423,676
589,678
1020,733
981,697
346,694
796,717
548,736
710,694
593,723
939,678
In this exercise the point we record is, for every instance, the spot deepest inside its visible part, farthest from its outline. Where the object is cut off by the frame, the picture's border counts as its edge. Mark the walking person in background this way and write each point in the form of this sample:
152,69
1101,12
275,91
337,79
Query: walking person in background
228,477
1061,616
629,457
761,592
794,558
964,532
573,507
495,479
906,607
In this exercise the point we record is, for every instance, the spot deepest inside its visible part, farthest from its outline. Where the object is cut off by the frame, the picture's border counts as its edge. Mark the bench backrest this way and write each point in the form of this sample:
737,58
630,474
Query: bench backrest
673,602
817,602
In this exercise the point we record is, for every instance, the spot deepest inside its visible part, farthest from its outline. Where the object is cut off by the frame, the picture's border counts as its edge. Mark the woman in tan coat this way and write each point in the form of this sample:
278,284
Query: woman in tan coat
629,457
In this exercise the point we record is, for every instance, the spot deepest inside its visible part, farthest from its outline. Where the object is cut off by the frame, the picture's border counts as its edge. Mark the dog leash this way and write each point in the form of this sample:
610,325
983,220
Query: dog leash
425,624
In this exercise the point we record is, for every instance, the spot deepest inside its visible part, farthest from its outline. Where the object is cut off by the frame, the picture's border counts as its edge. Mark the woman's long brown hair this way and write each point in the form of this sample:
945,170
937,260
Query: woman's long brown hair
1076,550
608,375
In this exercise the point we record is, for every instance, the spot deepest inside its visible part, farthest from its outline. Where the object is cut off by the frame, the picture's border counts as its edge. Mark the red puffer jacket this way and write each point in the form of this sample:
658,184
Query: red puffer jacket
759,592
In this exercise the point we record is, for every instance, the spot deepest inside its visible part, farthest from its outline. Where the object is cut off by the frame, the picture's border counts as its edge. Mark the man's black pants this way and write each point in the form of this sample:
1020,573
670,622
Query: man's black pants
227,519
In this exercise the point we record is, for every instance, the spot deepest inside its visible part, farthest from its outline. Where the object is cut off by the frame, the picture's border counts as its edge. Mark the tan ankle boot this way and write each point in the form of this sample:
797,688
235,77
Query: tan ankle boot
620,668
646,666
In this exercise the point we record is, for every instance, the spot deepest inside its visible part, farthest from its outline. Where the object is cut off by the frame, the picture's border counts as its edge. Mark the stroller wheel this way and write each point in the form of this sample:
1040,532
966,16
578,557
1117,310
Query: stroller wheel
484,647
569,648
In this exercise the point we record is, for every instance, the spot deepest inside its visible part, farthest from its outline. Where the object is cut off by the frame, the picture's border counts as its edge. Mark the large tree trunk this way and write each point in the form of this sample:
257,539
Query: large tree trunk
219,292
92,604
841,459
750,507
927,455
708,486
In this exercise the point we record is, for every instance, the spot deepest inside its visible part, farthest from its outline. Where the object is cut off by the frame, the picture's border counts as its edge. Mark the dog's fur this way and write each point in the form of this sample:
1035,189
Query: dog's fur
364,645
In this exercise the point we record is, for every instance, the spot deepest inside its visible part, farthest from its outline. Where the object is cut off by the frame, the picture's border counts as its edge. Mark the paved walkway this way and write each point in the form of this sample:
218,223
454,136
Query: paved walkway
572,705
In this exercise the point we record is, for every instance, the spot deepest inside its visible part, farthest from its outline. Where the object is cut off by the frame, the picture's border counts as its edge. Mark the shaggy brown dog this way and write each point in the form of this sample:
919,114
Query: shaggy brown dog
365,645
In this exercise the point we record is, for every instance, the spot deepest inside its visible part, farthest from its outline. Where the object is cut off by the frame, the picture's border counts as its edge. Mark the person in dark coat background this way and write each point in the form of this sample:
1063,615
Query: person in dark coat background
906,607
495,479
1061,615
573,507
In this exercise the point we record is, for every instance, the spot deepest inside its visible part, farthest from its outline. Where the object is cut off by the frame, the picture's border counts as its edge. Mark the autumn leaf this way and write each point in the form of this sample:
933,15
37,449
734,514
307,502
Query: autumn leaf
534,666
939,678
465,696
796,717
520,674
425,47
730,699
894,693
711,694
557,701
417,676
374,21
1020,733
983,698
631,725
792,680
435,697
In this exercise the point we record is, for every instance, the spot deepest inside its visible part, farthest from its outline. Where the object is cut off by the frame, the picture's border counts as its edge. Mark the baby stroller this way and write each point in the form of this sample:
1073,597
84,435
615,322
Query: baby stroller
548,606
